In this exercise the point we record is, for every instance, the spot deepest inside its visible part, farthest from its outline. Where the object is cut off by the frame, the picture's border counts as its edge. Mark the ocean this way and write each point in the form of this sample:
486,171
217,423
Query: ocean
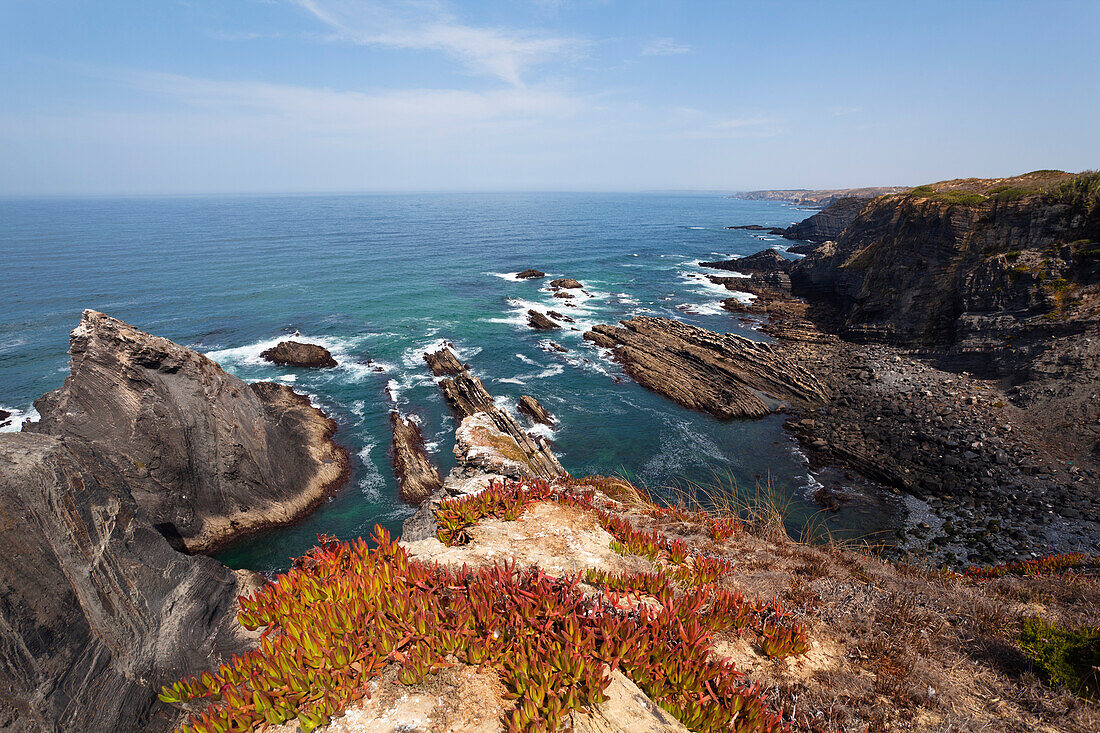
380,279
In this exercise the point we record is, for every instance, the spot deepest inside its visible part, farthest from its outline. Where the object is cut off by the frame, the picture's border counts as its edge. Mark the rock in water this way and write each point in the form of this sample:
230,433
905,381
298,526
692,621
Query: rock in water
531,407
768,260
4,418
444,362
567,283
417,477
530,274
564,295
488,439
723,374
560,316
539,321
206,456
293,353
97,611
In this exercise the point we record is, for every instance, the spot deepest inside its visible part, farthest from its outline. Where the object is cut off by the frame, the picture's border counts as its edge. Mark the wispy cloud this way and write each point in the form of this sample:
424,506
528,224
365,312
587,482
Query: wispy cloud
841,111
665,47
503,53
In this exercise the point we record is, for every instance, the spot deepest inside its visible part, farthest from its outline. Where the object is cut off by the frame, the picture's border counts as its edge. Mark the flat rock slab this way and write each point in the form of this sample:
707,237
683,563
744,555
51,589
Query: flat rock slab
723,374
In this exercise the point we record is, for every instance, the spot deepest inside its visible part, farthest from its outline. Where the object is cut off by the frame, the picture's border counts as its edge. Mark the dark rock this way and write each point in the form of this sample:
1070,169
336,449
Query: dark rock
206,456
444,362
828,223
4,418
567,283
723,374
563,294
417,476
754,228
531,407
422,525
97,611
767,260
539,321
560,317
293,353
530,274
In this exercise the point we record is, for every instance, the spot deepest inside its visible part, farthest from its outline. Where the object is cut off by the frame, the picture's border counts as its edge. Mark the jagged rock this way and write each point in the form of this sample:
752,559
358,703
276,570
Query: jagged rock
560,316
417,476
443,362
294,353
531,407
4,418
540,322
530,274
723,374
97,611
753,227
563,294
829,223
206,456
566,283
494,431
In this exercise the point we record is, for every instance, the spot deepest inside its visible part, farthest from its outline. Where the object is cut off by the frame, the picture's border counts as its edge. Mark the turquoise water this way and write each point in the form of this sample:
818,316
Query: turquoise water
381,278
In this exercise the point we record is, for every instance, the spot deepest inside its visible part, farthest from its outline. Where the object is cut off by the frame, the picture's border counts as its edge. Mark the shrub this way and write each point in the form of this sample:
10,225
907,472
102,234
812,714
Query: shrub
1065,657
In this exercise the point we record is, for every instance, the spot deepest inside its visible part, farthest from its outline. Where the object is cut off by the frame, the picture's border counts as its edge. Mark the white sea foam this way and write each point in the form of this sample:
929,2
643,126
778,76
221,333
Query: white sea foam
527,360
370,482
700,309
18,417
541,431
510,276
287,378
342,350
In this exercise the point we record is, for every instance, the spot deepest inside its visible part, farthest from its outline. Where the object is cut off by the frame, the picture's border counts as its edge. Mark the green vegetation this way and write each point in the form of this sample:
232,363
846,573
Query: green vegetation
1066,657
346,612
1081,190
964,198
1035,566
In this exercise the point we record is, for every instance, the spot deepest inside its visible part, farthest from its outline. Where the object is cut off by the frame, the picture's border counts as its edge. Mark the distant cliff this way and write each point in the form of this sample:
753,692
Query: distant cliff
829,223
819,197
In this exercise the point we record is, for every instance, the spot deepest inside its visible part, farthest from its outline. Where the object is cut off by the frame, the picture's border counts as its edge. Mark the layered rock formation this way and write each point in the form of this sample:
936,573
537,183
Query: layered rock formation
723,374
297,354
829,223
417,476
533,408
97,611
766,260
443,362
540,322
489,440
206,456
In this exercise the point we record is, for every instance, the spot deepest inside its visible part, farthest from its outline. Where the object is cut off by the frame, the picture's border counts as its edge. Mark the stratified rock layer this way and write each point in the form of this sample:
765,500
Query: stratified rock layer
97,611
725,375
540,322
531,407
443,362
294,353
417,476
206,456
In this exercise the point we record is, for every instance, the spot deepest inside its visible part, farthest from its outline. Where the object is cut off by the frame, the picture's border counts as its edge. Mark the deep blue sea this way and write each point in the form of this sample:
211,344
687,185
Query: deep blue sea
379,279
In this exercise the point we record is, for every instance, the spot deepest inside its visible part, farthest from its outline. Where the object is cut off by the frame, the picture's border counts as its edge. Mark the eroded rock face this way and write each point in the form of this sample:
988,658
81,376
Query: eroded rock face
829,223
296,354
443,362
767,260
417,476
540,322
723,374
206,456
97,611
533,409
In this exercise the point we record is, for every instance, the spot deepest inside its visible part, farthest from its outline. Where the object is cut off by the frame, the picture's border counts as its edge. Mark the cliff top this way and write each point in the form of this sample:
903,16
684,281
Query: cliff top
819,197
1063,186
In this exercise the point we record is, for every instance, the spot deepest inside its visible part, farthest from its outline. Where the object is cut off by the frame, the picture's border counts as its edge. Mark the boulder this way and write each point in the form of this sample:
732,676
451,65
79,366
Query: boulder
206,456
417,476
530,274
563,294
296,354
566,283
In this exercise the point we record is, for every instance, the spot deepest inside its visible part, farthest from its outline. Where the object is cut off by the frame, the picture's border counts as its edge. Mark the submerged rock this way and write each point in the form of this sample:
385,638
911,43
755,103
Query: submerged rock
97,611
530,274
563,294
723,374
539,321
531,407
206,456
296,354
560,316
567,283
417,476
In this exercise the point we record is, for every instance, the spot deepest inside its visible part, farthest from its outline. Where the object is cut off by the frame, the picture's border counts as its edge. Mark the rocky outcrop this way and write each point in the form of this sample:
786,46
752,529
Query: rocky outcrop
296,354
5,418
766,260
489,440
829,223
564,295
723,374
97,611
417,476
560,317
532,408
206,456
443,362
530,274
820,197
566,283
540,322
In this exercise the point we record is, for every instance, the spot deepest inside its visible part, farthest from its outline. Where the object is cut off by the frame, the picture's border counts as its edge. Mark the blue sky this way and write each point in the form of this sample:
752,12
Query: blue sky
159,96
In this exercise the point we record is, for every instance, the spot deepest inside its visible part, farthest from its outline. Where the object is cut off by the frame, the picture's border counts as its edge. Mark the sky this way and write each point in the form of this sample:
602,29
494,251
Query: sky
209,96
